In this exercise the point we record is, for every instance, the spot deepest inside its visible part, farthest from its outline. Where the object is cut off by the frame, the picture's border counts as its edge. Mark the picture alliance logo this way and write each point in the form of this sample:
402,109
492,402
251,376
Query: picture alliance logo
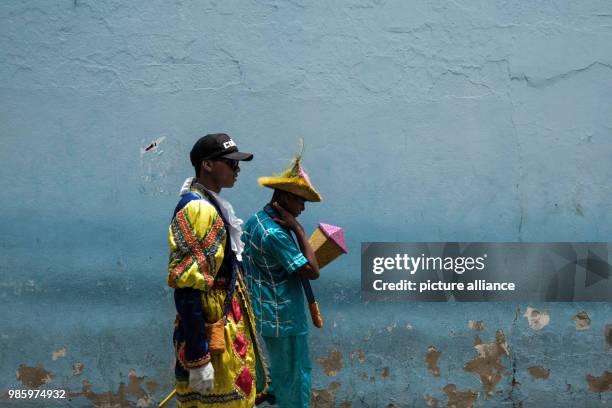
413,264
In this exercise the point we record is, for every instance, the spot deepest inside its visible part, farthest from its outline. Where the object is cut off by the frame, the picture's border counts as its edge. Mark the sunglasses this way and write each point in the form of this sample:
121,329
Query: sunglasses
232,163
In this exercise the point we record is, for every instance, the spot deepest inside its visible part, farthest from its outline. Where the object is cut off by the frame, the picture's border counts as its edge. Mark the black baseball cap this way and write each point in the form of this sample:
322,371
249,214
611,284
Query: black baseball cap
214,146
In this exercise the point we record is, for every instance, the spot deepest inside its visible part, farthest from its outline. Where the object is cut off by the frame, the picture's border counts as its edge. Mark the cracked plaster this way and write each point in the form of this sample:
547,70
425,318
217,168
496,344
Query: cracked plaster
491,122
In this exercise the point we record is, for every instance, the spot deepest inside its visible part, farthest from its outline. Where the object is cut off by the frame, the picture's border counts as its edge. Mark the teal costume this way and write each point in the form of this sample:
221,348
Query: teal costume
270,259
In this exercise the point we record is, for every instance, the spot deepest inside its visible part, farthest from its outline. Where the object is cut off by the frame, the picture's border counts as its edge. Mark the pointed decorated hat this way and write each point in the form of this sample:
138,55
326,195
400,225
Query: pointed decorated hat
294,180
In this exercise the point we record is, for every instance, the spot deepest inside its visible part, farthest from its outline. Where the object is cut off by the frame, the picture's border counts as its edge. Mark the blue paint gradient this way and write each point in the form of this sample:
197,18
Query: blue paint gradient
436,121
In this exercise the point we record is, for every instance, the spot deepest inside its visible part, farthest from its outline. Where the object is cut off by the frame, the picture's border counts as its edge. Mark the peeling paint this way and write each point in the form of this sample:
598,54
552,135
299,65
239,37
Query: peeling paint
583,322
392,405
608,334
145,401
155,168
152,386
334,386
325,398
77,369
110,399
459,399
488,363
430,400
478,326
539,372
359,355
33,377
105,399
537,319
385,372
153,147
431,359
600,384
58,354
332,364
134,388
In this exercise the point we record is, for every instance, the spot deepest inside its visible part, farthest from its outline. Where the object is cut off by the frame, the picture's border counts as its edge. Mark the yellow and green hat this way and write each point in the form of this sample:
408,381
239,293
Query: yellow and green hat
294,180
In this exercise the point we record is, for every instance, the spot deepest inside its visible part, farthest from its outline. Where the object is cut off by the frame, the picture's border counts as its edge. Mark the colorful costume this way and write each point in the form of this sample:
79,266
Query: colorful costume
271,258
202,267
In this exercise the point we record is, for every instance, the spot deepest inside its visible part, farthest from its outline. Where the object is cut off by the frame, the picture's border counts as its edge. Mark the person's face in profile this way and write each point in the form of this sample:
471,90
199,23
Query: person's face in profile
294,204
222,172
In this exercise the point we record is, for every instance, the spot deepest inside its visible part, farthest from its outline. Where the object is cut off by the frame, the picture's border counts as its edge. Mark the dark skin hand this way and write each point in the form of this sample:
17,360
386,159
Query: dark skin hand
286,220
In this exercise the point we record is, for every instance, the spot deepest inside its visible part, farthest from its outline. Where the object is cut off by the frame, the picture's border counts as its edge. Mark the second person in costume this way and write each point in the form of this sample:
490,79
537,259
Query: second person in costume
274,265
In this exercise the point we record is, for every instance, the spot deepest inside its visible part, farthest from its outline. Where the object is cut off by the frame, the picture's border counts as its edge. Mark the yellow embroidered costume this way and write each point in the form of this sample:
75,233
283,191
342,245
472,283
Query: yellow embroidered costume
202,268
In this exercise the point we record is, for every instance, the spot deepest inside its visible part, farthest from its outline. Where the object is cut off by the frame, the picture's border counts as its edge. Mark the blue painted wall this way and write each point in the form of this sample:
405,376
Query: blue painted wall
423,121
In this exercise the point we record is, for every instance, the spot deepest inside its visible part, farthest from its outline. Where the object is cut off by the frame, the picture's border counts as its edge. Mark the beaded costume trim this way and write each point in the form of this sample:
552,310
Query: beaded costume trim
180,355
202,253
209,398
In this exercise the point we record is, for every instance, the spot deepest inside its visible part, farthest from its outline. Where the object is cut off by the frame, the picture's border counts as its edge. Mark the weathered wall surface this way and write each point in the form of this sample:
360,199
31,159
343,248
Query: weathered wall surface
427,121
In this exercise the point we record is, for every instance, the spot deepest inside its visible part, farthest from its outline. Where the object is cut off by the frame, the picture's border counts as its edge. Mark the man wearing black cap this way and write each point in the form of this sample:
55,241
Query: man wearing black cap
216,348
218,155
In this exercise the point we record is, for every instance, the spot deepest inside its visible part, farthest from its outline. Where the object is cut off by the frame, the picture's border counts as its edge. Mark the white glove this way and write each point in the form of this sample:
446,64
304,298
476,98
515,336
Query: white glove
202,379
